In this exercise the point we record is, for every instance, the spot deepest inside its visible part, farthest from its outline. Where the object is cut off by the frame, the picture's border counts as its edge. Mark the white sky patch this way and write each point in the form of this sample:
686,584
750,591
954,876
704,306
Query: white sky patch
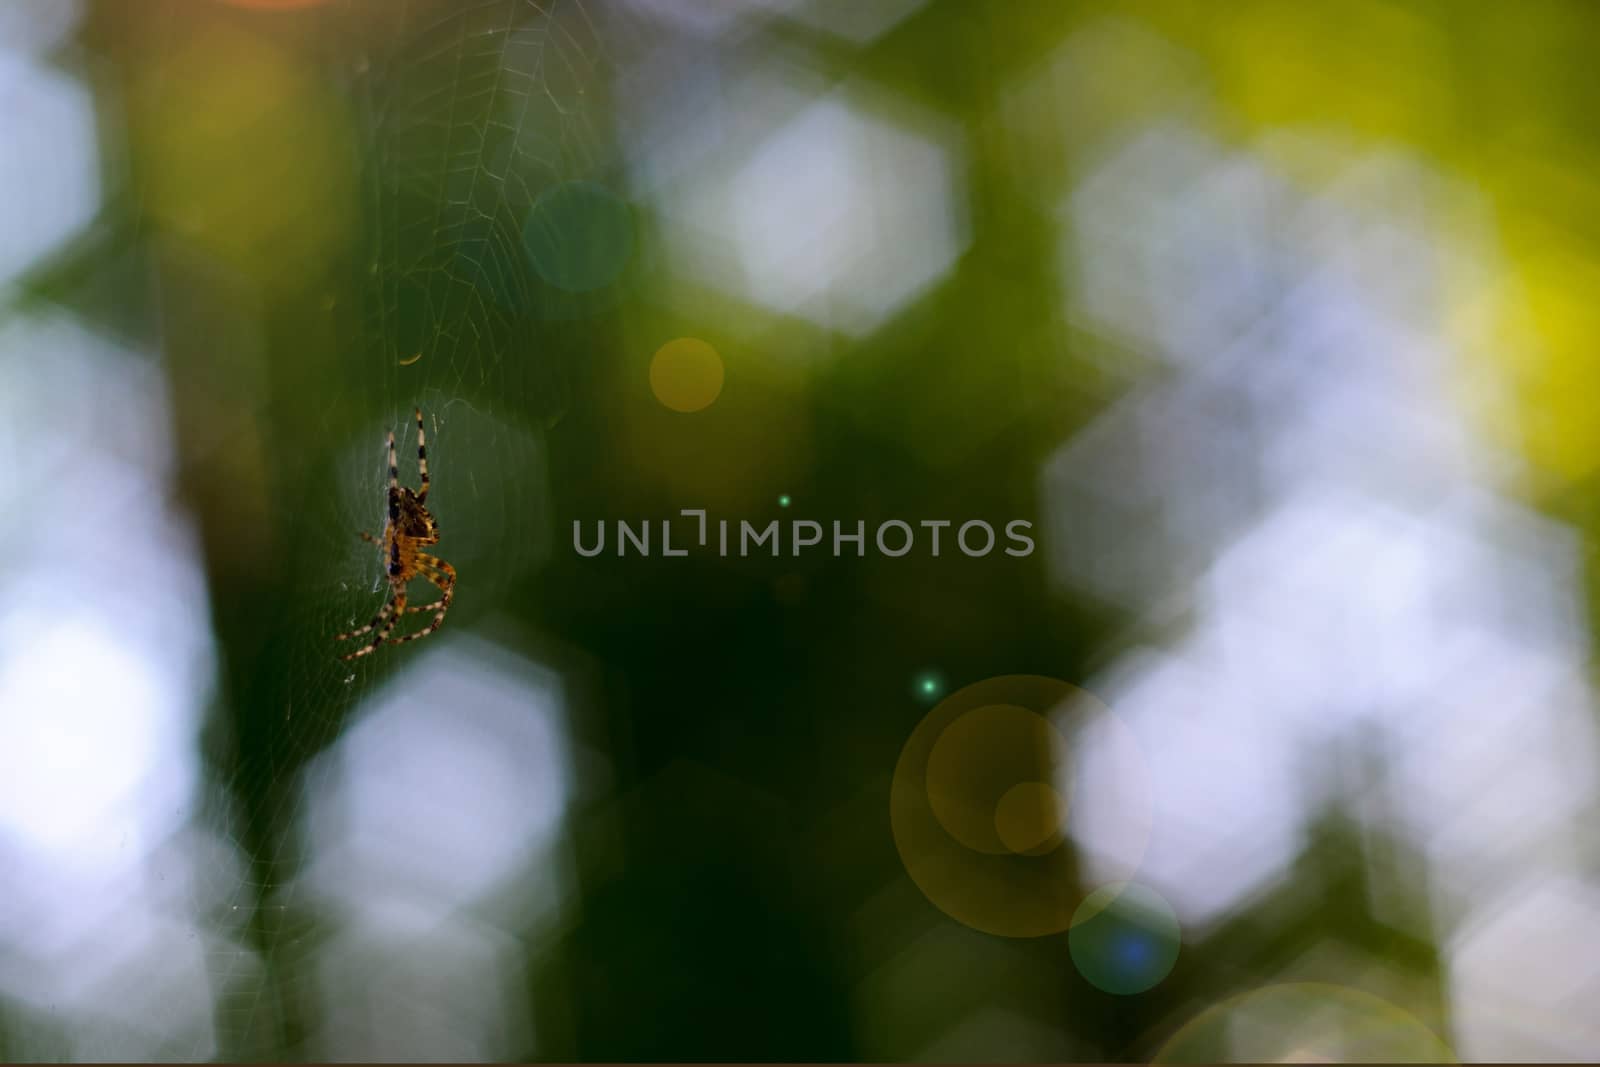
34,27
433,988
77,744
1299,490
105,649
49,169
1528,971
860,24
842,213
453,785
727,20
1191,275
672,111
105,661
445,787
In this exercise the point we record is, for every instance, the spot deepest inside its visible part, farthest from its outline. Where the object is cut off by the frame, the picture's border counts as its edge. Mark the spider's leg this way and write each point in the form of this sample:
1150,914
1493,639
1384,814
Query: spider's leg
394,464
442,575
445,582
398,604
422,457
439,567
394,485
369,538
439,573
376,619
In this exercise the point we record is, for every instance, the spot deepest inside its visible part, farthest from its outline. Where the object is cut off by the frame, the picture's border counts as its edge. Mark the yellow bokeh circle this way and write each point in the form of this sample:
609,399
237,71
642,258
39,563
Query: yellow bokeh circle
981,800
1029,818
978,764
686,374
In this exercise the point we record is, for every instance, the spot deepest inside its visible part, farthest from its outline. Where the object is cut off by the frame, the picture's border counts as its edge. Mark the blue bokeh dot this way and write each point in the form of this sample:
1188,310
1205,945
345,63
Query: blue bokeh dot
1124,938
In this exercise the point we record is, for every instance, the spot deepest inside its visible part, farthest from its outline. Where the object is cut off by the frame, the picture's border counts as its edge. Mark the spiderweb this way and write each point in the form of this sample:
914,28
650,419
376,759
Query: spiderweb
468,113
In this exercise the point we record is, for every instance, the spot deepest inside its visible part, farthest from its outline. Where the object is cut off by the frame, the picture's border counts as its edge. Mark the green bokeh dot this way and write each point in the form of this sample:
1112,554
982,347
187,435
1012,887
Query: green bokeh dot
927,686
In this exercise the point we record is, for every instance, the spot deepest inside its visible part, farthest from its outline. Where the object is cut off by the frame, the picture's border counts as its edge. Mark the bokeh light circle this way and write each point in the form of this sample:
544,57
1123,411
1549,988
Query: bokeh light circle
1029,818
927,686
579,236
1305,1022
976,763
982,796
686,374
1124,938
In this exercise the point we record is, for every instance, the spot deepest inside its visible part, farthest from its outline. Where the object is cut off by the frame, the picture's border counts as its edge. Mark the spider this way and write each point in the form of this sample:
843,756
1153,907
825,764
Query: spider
410,525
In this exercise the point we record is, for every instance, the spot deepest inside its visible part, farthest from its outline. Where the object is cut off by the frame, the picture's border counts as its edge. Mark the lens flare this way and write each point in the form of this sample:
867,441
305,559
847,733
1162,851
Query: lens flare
981,802
1305,1022
686,375
1124,938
